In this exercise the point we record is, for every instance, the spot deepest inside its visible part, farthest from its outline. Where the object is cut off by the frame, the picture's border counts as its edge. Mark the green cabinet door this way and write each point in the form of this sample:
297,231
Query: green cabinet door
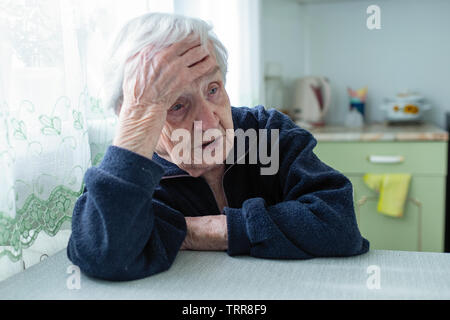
421,228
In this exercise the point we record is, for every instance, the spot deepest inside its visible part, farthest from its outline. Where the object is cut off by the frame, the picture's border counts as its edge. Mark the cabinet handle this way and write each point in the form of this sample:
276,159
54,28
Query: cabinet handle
386,159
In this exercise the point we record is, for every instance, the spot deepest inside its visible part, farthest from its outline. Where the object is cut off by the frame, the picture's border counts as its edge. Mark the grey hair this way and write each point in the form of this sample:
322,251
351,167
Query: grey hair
160,30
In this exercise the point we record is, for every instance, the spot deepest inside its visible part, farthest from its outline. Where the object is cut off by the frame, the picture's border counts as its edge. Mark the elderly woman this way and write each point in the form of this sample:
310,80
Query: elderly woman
142,205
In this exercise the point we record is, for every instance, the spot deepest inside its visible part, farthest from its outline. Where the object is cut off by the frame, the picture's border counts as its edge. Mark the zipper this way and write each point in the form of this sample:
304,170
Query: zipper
223,177
177,176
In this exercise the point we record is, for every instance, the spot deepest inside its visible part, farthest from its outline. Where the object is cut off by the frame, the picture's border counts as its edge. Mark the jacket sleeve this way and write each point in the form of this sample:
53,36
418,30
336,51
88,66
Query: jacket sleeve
119,232
316,216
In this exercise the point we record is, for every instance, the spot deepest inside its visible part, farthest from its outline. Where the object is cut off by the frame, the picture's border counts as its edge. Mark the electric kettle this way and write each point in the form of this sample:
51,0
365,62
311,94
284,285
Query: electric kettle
312,99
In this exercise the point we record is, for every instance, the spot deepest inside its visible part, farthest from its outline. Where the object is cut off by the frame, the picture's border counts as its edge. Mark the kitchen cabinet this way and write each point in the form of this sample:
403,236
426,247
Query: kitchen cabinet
417,149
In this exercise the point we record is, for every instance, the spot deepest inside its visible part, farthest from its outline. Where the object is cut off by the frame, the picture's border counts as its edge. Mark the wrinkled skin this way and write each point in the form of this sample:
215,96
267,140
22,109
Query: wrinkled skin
179,85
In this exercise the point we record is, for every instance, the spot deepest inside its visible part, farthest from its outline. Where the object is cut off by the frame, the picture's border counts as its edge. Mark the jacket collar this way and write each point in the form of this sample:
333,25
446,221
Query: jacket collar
170,168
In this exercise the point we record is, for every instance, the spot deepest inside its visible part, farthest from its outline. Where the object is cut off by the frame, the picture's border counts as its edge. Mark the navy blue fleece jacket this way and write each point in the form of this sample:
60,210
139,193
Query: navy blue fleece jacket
129,222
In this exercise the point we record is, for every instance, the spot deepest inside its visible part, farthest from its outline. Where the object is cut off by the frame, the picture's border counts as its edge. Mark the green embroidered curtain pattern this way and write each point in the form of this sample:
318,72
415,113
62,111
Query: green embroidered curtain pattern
52,124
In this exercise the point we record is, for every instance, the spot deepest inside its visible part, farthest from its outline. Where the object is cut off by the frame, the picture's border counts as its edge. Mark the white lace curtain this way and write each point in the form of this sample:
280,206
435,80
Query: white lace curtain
52,123
44,137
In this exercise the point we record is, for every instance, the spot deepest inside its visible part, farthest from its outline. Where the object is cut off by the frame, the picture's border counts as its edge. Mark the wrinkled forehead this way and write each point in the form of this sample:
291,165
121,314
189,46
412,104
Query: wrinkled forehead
214,74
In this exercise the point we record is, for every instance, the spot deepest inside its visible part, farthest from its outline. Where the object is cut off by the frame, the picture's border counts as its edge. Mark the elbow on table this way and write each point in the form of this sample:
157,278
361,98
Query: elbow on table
339,239
348,243
113,268
92,265
345,238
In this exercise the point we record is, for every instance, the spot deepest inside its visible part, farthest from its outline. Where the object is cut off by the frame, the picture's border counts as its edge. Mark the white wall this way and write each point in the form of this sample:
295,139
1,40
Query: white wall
412,50
282,40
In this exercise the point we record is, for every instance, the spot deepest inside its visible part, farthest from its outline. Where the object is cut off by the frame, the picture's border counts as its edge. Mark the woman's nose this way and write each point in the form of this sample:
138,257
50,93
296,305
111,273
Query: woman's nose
208,117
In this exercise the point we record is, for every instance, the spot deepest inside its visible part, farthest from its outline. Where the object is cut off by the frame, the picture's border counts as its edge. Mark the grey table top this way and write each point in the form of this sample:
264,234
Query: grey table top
215,275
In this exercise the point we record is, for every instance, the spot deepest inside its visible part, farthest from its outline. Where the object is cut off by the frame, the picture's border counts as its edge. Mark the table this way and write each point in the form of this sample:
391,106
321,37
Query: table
215,275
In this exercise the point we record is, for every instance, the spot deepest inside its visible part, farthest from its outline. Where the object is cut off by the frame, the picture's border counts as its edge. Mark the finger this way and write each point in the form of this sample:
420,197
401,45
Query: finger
175,49
203,67
194,56
183,46
162,61
179,48
189,48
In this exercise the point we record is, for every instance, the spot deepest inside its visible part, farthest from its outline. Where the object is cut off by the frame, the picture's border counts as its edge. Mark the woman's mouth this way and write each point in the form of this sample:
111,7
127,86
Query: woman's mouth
207,143
211,144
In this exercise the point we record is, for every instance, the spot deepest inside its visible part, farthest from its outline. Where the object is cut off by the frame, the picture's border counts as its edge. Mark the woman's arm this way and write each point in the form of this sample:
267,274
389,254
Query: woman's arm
119,232
316,216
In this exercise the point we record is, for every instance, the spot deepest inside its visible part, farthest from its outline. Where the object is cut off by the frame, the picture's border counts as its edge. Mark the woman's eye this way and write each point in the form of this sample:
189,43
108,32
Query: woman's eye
213,90
176,107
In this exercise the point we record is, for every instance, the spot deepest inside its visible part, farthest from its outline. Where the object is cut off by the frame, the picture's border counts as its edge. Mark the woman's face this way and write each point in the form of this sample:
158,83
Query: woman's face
195,133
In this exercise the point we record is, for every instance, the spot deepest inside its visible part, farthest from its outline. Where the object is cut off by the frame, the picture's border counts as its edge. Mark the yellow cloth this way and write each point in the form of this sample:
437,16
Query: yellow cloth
393,189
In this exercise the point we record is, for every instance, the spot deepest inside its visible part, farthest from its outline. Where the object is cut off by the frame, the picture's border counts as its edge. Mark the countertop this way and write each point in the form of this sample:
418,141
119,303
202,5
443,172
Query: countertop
215,275
380,132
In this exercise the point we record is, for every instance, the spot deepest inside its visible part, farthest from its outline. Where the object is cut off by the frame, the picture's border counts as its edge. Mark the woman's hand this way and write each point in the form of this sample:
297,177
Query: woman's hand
206,233
151,86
